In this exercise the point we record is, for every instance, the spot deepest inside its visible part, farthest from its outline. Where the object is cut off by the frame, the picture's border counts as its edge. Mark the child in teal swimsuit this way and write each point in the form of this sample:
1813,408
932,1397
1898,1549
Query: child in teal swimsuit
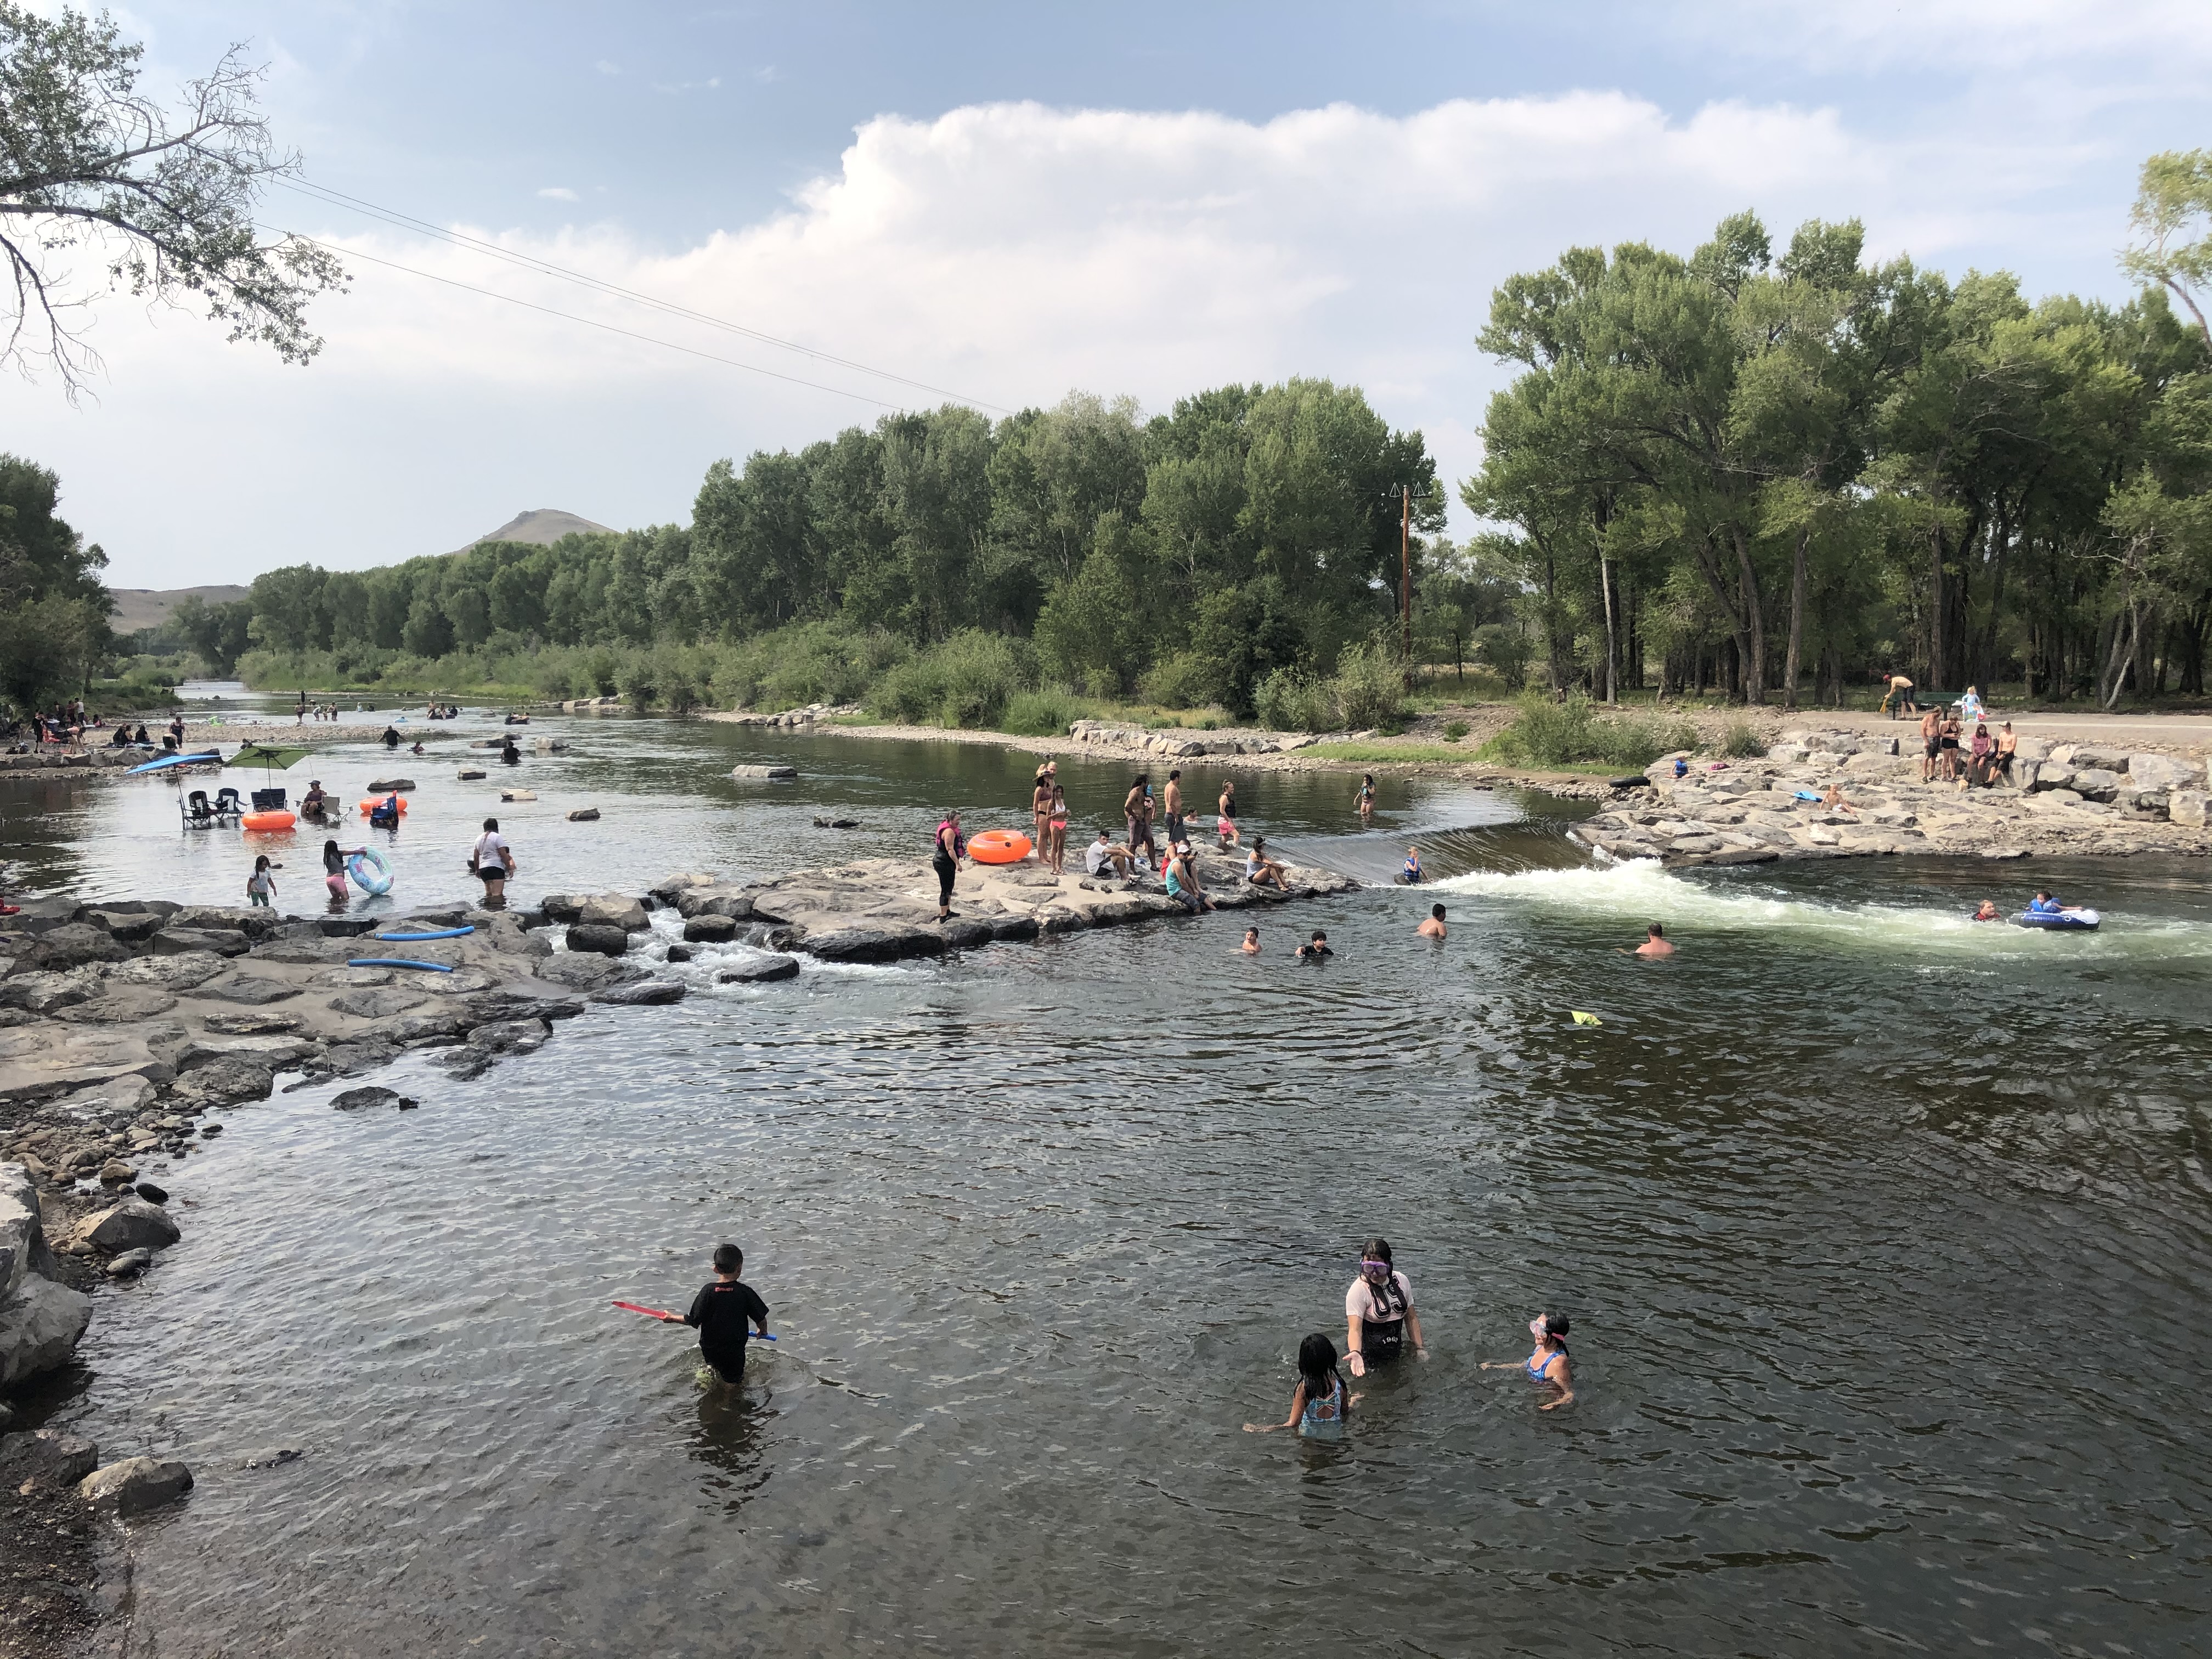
1320,1405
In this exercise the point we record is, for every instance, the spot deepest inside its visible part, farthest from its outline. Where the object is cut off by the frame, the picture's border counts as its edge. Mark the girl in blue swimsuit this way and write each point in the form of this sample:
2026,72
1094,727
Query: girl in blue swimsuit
1549,1364
1320,1406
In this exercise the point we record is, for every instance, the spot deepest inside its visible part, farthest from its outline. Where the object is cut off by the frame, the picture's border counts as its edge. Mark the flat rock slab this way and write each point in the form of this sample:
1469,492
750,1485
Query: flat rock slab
37,1061
650,992
374,1004
757,970
179,972
251,990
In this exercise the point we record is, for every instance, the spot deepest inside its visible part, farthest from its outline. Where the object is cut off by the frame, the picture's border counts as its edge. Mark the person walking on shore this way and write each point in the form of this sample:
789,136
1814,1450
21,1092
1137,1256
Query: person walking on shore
493,861
945,855
1378,1312
1898,699
1931,743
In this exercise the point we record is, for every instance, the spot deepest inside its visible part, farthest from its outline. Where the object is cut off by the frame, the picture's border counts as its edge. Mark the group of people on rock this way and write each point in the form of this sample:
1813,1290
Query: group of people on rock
1947,754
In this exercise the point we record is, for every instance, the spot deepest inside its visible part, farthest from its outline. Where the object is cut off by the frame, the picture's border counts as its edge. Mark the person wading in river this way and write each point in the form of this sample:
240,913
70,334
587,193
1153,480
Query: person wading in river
945,855
1174,803
493,861
1548,1363
719,1312
1378,1312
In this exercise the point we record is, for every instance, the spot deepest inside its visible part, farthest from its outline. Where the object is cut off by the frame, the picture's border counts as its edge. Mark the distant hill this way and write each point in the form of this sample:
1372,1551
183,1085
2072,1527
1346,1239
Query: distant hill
541,524
148,607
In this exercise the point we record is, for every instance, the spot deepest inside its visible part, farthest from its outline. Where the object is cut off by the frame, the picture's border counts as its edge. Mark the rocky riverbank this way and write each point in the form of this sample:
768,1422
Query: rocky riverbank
2064,800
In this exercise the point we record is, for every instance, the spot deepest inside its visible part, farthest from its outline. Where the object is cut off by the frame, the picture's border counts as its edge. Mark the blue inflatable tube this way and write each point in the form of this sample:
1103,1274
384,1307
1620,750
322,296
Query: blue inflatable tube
413,938
2061,921
397,962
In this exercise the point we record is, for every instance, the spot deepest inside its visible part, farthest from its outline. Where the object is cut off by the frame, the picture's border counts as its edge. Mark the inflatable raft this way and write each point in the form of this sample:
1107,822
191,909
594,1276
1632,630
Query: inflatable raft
998,846
369,871
2061,921
266,822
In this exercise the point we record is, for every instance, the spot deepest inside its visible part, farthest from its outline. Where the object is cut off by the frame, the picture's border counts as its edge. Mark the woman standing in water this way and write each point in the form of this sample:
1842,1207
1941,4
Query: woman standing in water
1549,1364
1365,800
945,853
1056,830
1378,1312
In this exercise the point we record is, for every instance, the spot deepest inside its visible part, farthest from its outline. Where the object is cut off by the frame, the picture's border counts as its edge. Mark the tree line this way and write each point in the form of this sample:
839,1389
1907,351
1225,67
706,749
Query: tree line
1746,467
1251,532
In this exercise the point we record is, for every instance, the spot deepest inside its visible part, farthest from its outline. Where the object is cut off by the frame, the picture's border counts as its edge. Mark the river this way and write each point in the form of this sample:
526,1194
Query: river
1884,1237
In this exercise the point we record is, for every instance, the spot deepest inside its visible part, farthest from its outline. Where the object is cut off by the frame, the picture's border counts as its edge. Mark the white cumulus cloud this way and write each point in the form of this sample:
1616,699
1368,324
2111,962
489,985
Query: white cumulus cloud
1006,252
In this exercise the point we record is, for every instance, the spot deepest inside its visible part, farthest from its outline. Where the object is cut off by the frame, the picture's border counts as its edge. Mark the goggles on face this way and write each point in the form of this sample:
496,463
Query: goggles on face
1375,1269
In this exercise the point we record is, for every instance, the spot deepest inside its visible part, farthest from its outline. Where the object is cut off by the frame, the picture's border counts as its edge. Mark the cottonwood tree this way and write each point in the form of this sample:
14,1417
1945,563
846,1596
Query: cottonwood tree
164,200
2173,198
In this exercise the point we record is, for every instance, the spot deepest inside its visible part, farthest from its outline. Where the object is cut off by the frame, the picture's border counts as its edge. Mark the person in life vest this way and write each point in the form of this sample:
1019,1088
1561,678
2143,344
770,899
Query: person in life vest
1378,1312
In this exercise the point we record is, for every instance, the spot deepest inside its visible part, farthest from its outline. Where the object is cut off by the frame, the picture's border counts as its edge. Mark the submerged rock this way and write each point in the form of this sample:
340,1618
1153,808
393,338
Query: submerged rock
355,1100
130,1264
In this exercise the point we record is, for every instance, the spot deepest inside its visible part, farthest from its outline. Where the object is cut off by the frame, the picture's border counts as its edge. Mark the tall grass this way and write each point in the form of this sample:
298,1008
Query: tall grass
1547,732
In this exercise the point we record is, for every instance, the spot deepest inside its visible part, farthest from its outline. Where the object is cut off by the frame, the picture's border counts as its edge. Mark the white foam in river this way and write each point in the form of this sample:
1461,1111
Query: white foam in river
1643,890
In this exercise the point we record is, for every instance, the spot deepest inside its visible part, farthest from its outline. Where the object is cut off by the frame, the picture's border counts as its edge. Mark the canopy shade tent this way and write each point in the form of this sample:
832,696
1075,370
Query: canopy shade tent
174,760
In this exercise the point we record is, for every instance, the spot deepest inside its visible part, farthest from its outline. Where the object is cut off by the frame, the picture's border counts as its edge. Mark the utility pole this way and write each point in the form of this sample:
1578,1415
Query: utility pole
1405,569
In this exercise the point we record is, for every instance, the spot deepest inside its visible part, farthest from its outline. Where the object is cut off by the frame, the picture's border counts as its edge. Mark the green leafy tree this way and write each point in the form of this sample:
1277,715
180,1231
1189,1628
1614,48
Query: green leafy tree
165,199
2172,220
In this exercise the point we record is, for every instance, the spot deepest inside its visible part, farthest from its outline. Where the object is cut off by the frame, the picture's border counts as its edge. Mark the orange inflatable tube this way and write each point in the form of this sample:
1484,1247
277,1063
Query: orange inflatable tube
269,820
368,806
998,846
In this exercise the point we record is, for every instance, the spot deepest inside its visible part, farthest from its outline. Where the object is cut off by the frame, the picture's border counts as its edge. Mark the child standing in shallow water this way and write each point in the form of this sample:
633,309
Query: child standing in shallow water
1319,1405
261,886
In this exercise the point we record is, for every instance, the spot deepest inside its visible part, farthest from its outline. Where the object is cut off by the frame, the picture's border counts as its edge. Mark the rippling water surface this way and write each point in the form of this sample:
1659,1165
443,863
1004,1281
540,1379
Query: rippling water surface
1884,1237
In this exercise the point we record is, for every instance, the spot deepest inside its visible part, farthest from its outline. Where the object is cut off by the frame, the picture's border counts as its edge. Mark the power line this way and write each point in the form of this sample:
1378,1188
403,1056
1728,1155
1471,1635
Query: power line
546,267
590,322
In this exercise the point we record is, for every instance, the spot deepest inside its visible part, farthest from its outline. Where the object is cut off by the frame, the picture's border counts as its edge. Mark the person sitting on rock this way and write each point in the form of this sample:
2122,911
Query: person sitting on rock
1182,882
1260,871
1103,854
1833,801
1979,750
2007,749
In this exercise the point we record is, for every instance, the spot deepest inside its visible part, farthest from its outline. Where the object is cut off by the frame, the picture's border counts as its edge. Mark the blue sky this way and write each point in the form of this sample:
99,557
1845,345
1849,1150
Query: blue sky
1018,201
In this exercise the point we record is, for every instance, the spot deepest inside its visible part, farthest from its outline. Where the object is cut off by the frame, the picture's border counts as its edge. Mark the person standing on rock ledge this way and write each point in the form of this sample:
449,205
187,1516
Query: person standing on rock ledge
950,848
493,861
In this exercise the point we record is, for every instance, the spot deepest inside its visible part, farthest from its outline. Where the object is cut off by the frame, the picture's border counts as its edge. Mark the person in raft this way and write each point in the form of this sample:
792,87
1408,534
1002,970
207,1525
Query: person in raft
1411,875
719,1312
1316,949
261,886
1378,1312
493,861
2044,905
1549,1363
1319,1404
1434,927
945,855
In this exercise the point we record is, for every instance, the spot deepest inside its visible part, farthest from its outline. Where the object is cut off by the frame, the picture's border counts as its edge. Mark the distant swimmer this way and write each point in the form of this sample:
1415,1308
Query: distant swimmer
1411,875
1987,913
1319,1405
1251,944
1378,1312
1434,927
719,1312
1549,1363
1654,944
1316,949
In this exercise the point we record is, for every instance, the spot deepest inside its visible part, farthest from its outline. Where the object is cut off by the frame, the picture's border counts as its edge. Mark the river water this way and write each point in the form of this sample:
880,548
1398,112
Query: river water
1884,1237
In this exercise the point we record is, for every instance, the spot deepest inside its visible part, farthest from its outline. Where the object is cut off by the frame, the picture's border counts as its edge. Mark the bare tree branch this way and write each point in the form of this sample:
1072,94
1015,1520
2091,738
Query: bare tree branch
88,161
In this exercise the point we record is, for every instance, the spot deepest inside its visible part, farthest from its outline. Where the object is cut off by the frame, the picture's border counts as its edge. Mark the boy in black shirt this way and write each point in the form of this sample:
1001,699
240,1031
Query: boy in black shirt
719,1312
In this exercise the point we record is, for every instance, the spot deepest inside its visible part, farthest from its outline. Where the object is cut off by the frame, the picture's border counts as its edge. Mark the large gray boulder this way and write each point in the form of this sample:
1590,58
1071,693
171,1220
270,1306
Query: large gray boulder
135,1484
248,990
710,930
130,927
370,1003
651,992
612,910
132,1225
45,991
2161,772
72,944
2187,807
225,1082
713,903
757,970
21,1235
873,944
236,918
200,941
582,970
39,1324
2095,783
601,938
